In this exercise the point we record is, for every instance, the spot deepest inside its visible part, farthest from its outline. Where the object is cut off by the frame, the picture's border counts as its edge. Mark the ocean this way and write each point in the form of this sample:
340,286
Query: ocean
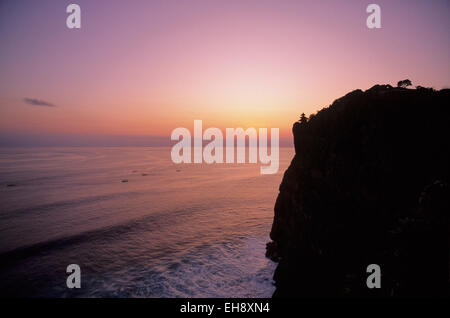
137,224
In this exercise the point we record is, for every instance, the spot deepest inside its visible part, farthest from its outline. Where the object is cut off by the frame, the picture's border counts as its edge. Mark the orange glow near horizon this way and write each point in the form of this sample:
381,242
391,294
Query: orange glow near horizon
154,66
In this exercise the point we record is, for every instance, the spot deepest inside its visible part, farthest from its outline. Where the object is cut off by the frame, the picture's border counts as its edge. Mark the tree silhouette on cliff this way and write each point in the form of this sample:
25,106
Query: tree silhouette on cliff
405,83
303,119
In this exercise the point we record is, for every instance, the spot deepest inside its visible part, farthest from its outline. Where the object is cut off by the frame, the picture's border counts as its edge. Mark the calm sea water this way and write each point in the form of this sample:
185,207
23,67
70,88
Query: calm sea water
169,231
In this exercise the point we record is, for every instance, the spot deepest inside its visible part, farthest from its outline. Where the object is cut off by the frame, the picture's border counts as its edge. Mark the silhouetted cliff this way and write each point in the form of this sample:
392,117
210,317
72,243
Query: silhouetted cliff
369,184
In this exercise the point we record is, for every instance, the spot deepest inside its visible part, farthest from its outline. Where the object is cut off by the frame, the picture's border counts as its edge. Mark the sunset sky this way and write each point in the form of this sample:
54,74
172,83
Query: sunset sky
143,68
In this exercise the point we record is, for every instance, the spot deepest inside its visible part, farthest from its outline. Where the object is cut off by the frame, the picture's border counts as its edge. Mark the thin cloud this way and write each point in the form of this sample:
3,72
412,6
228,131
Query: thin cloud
37,102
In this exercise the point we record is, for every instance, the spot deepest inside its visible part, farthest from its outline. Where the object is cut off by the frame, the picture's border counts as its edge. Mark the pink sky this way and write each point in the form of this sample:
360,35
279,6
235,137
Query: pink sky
147,67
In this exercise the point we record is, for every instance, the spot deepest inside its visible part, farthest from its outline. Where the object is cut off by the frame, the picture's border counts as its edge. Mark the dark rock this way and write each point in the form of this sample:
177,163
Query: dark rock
368,185
272,251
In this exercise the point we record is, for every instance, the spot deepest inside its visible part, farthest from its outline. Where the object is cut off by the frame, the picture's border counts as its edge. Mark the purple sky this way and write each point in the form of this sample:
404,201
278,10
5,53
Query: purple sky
143,68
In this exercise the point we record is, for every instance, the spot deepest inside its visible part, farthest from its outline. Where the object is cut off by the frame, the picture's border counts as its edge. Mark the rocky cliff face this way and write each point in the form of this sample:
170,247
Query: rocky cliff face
369,184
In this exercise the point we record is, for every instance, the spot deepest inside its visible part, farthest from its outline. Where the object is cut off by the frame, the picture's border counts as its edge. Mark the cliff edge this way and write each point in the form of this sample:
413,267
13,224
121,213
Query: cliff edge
369,184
